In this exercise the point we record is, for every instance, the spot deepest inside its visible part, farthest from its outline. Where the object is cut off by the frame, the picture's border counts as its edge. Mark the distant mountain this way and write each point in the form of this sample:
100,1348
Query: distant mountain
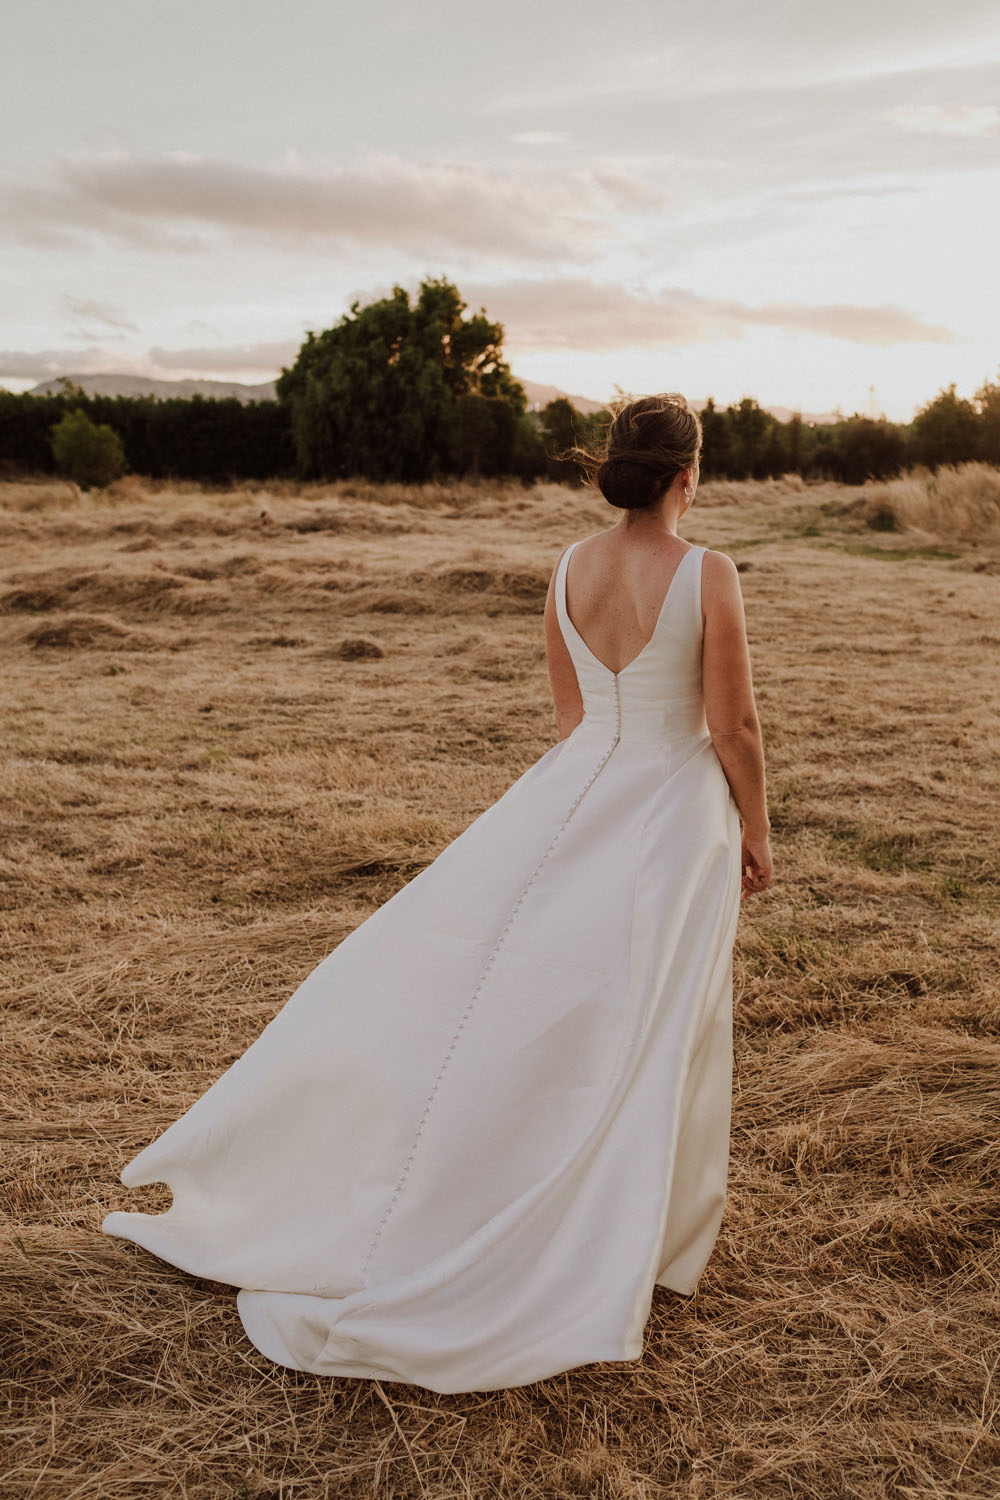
540,395
142,385
782,414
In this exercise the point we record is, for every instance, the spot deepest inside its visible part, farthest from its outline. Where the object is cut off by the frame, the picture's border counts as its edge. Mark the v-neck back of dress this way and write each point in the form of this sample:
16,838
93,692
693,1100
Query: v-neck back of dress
658,693
662,610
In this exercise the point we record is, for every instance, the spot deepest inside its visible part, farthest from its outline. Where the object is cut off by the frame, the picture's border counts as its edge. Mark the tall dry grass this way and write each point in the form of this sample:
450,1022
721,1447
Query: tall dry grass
237,722
955,501
744,492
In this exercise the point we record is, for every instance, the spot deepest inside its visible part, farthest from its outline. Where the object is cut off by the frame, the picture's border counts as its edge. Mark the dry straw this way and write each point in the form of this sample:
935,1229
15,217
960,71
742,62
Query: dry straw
960,500
207,786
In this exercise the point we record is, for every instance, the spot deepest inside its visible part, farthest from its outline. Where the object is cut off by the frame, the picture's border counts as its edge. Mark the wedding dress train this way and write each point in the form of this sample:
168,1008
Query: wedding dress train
497,1114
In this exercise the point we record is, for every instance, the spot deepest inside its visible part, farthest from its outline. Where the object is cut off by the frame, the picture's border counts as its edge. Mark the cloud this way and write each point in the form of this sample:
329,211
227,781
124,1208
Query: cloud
46,364
587,315
932,119
243,357
719,48
422,208
97,312
881,326
236,360
755,128
550,314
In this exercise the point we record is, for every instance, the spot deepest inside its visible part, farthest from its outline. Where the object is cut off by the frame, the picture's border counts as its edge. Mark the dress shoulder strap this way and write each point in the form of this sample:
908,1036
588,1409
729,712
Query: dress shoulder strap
694,589
562,613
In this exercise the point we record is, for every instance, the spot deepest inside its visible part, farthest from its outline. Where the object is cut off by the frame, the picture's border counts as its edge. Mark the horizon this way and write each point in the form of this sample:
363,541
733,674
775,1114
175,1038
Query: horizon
711,202
534,390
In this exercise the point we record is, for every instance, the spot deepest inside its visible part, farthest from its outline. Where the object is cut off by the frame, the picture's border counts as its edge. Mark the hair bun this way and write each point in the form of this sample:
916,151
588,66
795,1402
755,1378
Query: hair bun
649,442
628,483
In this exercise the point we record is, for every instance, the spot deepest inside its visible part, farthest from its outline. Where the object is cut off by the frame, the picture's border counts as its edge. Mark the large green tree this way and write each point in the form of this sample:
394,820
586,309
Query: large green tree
401,390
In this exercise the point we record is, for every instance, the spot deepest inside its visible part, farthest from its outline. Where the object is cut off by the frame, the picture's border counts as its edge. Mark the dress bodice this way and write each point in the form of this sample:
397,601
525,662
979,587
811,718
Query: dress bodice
658,695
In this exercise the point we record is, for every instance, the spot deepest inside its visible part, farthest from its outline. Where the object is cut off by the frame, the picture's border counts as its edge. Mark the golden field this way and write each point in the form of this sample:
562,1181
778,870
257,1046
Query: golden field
238,721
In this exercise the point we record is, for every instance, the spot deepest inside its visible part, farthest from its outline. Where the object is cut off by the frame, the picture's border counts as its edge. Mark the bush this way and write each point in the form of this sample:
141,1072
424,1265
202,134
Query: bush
88,452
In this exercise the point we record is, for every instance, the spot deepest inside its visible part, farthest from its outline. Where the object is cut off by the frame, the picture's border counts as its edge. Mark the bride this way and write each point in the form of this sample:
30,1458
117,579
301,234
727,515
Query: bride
481,1131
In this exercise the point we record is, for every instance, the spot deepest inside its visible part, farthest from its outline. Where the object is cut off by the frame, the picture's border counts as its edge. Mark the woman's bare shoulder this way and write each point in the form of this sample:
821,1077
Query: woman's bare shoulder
718,568
720,581
592,536
550,599
577,541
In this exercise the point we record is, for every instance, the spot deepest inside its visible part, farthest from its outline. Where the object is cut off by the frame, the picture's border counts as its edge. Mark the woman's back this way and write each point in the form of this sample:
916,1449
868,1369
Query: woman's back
654,701
616,586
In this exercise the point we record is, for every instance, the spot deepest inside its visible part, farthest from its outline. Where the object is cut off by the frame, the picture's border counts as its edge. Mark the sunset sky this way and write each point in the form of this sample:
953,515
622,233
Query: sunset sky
782,199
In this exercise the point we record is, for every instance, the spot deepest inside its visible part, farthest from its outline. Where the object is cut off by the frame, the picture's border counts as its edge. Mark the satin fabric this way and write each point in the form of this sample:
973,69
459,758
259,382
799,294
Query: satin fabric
497,1114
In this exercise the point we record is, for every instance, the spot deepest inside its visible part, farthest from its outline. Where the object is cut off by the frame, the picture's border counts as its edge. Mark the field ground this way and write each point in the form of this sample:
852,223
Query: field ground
238,722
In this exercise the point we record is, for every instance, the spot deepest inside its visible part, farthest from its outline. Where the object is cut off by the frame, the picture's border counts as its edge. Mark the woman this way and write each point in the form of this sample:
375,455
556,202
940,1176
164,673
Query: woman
490,1121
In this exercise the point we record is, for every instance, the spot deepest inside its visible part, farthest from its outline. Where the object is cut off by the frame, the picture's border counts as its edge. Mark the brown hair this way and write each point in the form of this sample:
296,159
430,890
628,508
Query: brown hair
649,442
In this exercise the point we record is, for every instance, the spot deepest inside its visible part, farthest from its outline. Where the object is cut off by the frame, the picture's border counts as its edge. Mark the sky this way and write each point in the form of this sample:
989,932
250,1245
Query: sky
783,199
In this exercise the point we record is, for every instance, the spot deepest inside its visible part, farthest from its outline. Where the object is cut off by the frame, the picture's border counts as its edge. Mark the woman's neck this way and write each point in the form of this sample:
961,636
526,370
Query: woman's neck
661,520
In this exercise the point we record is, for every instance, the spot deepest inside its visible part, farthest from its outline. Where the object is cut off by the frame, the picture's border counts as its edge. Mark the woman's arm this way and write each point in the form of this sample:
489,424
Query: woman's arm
566,696
731,712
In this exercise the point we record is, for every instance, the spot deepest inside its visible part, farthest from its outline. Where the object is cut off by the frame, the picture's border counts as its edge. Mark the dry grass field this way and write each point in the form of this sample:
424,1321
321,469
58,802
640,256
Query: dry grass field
236,722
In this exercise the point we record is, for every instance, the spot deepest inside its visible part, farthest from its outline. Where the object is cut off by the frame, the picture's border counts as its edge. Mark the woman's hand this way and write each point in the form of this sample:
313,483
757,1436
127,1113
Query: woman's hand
756,864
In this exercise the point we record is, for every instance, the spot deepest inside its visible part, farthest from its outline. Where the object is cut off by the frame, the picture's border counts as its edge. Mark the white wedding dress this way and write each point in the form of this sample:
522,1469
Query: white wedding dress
484,1126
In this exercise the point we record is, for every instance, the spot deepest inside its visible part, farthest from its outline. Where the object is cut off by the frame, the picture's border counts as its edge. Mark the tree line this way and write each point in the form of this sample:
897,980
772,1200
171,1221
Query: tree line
181,437
414,390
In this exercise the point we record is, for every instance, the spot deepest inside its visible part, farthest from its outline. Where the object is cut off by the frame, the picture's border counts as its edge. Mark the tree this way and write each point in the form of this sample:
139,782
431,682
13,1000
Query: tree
868,449
946,430
795,443
987,400
560,432
484,433
773,460
90,453
749,431
714,441
379,393
563,428
528,460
